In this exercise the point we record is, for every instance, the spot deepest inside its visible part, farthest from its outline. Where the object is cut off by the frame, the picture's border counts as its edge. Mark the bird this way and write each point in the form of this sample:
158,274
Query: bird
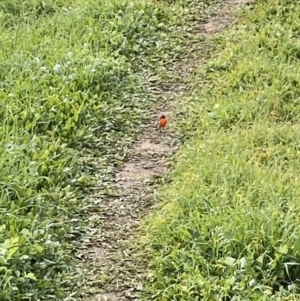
162,122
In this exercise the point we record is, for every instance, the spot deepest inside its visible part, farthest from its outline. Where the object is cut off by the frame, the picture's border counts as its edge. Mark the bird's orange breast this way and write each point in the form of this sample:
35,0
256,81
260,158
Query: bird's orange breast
162,123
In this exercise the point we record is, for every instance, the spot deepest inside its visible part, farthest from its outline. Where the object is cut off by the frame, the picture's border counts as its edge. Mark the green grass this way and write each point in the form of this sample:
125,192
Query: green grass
72,98
229,226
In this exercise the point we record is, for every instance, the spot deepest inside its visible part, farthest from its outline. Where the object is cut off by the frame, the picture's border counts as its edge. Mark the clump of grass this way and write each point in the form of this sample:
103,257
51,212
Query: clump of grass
229,229
71,91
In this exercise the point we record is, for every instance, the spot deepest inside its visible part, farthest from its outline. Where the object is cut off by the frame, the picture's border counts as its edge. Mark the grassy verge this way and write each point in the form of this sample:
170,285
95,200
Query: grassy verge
229,225
72,98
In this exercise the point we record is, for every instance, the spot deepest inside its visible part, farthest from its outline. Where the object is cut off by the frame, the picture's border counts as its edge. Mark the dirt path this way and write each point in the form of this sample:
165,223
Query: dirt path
119,274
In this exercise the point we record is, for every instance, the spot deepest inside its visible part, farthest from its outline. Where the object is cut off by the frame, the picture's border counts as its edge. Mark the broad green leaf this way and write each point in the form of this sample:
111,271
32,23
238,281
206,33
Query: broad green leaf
39,248
3,261
260,259
283,249
230,261
30,276
297,246
11,252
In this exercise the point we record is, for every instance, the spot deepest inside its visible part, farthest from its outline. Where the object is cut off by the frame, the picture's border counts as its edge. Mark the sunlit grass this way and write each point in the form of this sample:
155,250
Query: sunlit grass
229,229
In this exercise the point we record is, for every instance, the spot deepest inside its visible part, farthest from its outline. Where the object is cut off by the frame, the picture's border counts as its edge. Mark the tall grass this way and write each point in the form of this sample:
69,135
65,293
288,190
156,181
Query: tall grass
229,229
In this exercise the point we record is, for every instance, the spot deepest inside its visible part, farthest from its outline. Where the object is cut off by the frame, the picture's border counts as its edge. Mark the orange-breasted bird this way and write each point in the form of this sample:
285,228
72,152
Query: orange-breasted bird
162,122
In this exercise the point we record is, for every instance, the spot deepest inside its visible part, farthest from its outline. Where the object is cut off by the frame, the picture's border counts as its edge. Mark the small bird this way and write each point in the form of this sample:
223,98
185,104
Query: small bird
162,122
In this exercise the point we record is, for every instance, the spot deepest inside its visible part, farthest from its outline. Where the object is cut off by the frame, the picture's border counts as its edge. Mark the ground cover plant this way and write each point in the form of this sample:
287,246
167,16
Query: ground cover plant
72,98
228,228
